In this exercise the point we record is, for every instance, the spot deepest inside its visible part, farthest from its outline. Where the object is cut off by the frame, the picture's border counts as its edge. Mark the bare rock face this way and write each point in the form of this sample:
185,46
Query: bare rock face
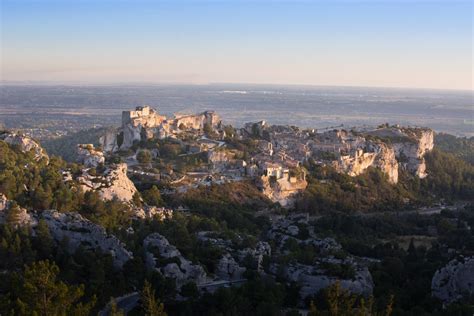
356,163
313,279
166,259
228,269
130,135
410,146
387,162
113,183
108,141
282,190
378,155
455,281
89,156
25,143
197,121
411,152
81,232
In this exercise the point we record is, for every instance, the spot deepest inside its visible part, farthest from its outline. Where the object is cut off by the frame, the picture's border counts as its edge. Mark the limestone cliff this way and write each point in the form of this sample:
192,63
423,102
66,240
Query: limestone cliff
108,141
411,150
393,147
378,155
455,281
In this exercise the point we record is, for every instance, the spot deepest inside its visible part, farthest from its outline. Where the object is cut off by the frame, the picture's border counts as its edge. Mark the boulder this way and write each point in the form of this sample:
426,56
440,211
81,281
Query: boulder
166,259
113,183
455,281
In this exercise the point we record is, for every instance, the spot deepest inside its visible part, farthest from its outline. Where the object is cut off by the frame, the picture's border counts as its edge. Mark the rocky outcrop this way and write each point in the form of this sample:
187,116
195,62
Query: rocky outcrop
326,269
231,265
145,123
378,155
412,150
113,183
313,279
282,190
166,259
387,162
455,281
131,134
257,254
25,144
79,231
89,156
20,217
229,269
160,213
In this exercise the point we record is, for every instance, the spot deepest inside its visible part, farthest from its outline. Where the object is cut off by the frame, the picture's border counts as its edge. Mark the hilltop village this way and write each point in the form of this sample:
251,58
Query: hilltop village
201,206
200,149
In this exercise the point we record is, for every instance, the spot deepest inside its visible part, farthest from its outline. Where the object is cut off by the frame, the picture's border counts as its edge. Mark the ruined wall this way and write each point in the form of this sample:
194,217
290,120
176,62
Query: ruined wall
197,121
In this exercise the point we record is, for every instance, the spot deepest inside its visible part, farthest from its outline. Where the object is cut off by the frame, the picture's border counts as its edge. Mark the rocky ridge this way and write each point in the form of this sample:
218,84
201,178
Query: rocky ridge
313,277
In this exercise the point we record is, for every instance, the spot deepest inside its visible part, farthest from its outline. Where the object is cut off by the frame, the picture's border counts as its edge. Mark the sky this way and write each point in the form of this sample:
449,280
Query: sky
399,43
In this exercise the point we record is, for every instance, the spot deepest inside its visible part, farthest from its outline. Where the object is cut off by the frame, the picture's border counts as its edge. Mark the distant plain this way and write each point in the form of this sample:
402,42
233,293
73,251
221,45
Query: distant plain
75,107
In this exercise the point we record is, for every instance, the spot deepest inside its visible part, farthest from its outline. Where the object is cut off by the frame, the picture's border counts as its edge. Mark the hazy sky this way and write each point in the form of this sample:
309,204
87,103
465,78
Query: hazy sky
371,43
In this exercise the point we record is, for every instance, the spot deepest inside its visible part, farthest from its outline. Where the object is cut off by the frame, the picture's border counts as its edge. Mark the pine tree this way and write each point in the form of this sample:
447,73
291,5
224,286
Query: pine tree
43,239
43,294
13,215
150,304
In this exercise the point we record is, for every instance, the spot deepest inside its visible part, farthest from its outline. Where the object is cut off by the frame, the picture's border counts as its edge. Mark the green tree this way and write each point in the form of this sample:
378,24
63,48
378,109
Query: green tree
144,156
153,196
44,241
13,215
43,294
150,304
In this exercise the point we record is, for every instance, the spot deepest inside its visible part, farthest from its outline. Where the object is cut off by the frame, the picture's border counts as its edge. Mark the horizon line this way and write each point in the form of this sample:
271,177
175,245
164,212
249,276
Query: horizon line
183,83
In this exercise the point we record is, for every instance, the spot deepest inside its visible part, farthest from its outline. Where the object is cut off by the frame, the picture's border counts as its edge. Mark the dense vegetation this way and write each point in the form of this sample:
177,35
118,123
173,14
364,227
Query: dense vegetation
407,248
460,147
449,178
